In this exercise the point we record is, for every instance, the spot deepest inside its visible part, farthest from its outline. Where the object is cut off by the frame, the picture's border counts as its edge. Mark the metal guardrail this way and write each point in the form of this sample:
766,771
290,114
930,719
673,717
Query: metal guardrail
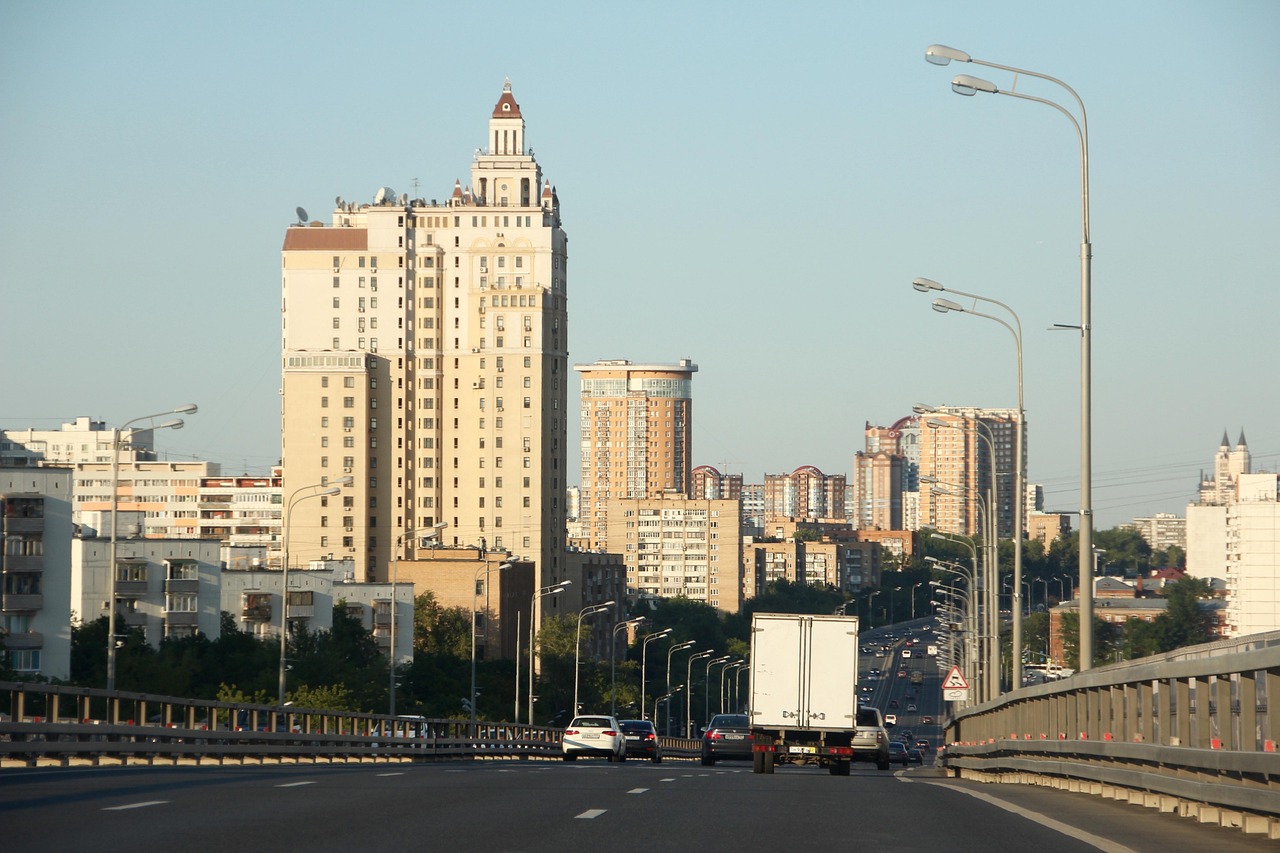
48,725
1194,732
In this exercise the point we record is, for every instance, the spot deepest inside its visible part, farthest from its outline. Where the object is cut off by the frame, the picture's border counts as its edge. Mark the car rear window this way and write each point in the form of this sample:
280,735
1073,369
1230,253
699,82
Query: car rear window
868,717
636,726
724,720
590,723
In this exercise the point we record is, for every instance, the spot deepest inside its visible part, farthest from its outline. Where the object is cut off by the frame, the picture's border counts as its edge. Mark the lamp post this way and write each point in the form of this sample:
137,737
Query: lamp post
613,671
577,644
737,689
533,627
706,707
964,84
670,652
297,498
486,569
116,445
871,600
914,587
395,564
644,660
688,696
724,698
944,306
659,701
974,608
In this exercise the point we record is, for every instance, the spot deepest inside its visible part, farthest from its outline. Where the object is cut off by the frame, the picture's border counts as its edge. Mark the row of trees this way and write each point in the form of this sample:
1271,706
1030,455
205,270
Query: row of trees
342,668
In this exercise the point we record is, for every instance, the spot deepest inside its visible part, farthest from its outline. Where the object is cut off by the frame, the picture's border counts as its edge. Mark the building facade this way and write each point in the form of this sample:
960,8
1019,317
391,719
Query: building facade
424,354
637,435
804,493
956,446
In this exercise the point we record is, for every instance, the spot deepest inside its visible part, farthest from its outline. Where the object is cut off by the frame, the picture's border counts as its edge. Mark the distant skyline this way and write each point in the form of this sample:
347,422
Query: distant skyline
751,189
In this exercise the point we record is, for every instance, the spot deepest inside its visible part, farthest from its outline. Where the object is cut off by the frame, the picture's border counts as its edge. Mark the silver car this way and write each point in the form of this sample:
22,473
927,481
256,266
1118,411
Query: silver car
594,735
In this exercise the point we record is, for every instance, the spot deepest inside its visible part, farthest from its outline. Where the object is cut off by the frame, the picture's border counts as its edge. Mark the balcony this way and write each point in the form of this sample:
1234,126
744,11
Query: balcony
23,524
11,602
301,611
180,585
176,619
257,613
134,619
131,589
23,563
24,641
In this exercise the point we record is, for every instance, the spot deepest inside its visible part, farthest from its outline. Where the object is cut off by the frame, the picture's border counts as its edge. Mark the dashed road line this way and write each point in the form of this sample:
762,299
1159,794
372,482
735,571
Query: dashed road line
135,806
294,784
590,814
637,790
390,774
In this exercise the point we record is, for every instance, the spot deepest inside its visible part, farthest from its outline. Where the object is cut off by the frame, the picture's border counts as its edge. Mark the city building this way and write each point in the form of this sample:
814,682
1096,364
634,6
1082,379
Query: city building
81,440
637,435
1048,526
1228,464
753,509
1162,531
242,512
885,470
424,354
707,482
804,493
673,545
162,498
847,565
956,469
35,570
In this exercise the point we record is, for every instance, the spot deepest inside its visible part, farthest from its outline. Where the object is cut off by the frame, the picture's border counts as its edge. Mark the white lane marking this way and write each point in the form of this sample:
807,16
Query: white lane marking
390,774
669,779
1066,829
637,790
294,784
135,806
590,814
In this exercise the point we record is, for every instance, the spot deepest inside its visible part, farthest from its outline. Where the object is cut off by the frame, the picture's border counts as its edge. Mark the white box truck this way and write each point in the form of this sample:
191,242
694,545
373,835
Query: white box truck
803,691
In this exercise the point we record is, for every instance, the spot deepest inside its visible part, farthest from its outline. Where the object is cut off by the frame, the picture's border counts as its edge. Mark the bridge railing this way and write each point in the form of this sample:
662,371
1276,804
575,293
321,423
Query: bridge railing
63,726
1193,731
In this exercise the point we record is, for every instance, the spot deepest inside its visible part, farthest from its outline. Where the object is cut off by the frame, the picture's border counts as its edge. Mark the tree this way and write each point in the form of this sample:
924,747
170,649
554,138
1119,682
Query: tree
439,629
1183,623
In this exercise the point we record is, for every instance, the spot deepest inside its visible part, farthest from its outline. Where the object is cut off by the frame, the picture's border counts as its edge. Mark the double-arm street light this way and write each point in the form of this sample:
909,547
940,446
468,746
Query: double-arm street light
688,696
533,630
432,533
644,660
724,696
965,84
486,569
945,306
706,709
664,698
116,446
577,644
613,670
687,644
302,494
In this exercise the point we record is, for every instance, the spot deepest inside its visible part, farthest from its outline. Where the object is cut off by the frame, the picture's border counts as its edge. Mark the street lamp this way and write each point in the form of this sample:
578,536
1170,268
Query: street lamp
914,587
964,84
671,651
613,671
485,570
297,498
116,445
577,644
975,608
659,701
644,660
944,306
737,689
706,707
395,564
533,626
688,697
724,699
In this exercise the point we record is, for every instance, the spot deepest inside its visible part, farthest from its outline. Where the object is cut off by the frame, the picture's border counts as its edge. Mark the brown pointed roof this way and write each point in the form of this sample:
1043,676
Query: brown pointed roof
457,189
506,106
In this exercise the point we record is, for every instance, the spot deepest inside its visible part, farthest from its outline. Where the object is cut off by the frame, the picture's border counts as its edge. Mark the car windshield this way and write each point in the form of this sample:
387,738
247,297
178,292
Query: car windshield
721,721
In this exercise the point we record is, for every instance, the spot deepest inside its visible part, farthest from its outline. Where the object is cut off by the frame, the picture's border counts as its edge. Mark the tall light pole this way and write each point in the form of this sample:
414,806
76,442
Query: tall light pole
706,710
944,306
298,497
914,587
486,569
964,84
395,563
688,696
670,652
533,630
660,700
974,608
644,660
724,699
116,446
577,645
737,689
613,671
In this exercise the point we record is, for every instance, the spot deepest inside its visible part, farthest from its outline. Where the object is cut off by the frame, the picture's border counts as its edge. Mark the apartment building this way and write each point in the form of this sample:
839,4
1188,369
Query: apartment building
243,512
674,545
804,493
73,443
163,498
1162,531
956,445
424,355
637,435
844,564
35,570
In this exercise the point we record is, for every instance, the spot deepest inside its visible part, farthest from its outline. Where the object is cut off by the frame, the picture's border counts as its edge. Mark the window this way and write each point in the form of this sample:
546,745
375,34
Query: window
337,322
180,602
324,402
348,382
348,402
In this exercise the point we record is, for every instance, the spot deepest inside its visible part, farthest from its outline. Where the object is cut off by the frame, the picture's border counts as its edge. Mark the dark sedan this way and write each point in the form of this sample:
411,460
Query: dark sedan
642,740
727,736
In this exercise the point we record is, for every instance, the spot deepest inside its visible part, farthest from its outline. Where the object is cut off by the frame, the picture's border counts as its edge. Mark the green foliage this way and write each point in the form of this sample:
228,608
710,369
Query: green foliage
440,630
330,697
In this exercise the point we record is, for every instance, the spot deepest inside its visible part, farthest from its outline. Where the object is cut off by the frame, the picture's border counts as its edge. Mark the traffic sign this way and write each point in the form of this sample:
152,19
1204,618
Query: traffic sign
955,680
956,695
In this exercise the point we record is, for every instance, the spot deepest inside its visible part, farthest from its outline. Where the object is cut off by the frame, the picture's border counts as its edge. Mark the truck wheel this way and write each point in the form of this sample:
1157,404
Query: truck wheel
768,762
839,768
757,762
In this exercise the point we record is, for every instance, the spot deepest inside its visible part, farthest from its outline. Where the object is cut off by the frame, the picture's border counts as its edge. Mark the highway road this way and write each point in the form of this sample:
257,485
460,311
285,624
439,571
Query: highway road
588,805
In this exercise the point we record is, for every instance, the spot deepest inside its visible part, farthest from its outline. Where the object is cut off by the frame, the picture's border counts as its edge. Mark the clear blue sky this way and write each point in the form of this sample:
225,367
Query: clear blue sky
750,185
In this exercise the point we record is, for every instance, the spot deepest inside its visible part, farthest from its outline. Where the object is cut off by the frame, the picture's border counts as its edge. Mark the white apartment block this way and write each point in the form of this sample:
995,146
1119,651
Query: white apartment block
165,496
424,348
242,512
81,440
165,587
1162,531
35,570
672,546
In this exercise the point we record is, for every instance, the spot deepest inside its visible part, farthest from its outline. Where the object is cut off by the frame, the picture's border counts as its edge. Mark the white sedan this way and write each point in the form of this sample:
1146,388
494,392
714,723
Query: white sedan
594,735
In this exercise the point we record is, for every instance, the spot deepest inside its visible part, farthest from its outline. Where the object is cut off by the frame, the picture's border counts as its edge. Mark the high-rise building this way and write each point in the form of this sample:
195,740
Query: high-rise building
805,493
637,435
883,473
424,353
1228,464
956,469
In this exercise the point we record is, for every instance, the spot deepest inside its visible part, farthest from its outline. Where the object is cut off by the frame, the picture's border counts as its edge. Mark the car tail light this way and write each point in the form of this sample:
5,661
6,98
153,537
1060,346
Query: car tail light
841,750
650,736
714,736
571,731
610,732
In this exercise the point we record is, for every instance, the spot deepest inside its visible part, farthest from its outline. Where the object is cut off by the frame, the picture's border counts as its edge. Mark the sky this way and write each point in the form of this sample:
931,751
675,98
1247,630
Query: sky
749,185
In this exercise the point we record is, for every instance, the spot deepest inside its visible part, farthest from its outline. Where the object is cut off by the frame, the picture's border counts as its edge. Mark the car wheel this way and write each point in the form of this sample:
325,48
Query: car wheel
570,757
708,761
882,764
613,758
657,759
622,756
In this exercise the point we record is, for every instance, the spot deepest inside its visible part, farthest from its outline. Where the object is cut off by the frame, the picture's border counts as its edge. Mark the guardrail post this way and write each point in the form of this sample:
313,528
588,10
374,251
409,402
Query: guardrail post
1147,707
1223,717
1182,710
1204,703
1272,690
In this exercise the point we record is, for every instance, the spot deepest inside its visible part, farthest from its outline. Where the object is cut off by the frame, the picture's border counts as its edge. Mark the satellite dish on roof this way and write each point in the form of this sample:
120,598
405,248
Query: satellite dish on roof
337,202
404,198
384,195
302,215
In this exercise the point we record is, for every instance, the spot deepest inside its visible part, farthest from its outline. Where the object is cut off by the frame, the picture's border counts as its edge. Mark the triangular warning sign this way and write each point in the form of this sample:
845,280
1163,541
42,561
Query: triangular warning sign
955,680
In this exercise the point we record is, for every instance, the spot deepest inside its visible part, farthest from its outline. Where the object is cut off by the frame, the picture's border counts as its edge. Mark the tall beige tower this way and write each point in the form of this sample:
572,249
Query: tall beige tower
637,435
425,356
